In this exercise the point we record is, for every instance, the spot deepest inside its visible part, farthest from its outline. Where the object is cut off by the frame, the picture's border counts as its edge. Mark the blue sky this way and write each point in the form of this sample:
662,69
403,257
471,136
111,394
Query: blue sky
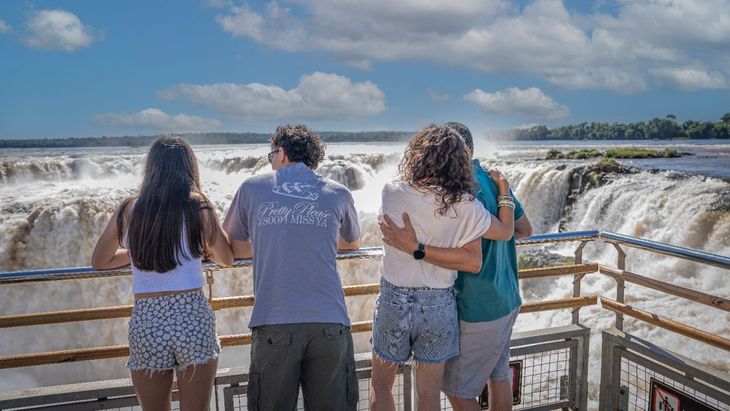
89,68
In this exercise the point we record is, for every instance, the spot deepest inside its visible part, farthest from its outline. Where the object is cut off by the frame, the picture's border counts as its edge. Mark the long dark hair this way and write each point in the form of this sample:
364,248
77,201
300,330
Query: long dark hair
436,160
169,204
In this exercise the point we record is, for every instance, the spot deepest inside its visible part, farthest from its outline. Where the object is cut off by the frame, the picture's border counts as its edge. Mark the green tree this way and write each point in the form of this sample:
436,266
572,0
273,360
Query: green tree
726,118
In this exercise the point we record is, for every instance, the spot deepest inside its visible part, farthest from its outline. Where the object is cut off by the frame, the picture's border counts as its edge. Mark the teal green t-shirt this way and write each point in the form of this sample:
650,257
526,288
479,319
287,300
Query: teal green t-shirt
495,291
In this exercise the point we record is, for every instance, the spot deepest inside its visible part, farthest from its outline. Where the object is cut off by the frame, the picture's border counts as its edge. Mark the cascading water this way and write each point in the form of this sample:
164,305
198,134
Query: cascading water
541,188
52,215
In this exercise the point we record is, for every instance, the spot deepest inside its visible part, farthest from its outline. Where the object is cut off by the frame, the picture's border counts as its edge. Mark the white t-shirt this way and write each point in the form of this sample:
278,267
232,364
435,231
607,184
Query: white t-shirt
463,223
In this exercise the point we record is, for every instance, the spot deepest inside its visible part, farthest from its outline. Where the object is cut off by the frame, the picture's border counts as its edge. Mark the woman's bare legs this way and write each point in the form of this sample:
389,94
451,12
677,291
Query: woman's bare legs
428,386
196,386
154,389
382,378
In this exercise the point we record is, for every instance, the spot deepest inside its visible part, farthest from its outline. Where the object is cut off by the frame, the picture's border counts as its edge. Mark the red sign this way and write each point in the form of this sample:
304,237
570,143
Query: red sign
516,368
666,398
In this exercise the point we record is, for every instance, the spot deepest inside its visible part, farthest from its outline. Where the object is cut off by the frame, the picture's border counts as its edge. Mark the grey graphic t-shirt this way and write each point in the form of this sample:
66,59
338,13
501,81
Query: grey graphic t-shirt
293,219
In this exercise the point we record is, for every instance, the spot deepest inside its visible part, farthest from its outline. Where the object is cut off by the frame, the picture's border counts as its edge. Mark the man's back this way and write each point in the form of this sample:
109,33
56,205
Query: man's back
294,218
293,221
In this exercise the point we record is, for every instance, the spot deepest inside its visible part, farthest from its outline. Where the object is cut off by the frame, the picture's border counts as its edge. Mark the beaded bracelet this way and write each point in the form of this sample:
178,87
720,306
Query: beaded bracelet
505,203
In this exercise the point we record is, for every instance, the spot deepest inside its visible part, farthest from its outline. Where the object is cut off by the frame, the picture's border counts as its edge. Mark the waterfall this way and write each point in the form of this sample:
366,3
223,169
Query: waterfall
54,207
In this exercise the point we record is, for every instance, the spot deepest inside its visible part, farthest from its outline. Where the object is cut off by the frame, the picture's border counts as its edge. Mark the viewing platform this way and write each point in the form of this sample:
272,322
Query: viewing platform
550,365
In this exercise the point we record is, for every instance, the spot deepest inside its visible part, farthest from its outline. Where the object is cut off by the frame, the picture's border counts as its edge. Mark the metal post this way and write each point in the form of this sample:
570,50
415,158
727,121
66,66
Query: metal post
409,392
581,394
623,398
569,383
620,286
577,280
606,399
210,280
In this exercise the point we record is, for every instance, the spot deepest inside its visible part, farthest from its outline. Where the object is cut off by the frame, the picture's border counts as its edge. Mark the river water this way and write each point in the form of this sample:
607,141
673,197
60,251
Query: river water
55,203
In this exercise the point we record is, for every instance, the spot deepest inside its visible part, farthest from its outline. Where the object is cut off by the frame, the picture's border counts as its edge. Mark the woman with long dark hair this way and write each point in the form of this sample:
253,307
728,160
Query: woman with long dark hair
165,232
415,313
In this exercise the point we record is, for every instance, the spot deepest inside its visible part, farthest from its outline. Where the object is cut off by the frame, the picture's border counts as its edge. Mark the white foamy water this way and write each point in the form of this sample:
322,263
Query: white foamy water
54,204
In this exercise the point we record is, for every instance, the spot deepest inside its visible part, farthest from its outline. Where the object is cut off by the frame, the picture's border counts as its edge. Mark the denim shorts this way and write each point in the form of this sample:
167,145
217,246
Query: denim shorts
418,321
172,332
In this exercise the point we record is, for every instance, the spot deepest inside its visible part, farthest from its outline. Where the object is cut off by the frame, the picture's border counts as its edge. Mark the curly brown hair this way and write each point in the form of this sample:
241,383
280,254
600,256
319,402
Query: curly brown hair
299,144
436,160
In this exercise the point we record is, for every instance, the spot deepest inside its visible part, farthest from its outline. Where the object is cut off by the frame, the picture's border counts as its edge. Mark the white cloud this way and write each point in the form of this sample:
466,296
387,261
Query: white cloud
279,30
317,96
438,96
543,38
4,27
158,120
691,78
530,103
59,30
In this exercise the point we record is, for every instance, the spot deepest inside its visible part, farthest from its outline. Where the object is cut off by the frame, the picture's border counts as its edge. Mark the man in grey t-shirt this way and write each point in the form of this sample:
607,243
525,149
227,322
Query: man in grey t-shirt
294,222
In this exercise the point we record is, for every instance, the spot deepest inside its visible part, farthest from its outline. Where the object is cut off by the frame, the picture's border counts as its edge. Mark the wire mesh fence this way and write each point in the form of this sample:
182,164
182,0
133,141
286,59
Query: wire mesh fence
236,396
639,375
637,383
542,379
544,363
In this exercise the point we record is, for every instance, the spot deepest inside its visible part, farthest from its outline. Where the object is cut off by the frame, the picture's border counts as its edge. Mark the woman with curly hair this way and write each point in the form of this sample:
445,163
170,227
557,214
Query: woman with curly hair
416,313
164,232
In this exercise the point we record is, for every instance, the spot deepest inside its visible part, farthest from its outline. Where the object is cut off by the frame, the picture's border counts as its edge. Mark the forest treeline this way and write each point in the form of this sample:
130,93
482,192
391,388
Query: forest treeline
655,129
200,138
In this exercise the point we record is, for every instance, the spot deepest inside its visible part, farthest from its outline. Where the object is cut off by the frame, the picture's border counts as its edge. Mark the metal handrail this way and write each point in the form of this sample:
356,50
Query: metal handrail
96,353
51,274
375,252
666,249
588,235
73,273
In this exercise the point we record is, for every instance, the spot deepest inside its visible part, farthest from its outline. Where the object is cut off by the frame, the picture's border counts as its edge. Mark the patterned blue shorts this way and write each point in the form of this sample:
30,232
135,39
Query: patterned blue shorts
172,332
418,321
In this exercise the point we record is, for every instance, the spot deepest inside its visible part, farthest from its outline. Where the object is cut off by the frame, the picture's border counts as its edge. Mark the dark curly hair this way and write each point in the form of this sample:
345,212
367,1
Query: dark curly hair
436,160
299,144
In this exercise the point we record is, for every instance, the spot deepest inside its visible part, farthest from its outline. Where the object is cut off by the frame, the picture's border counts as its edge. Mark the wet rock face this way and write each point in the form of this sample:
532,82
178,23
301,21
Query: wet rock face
540,258
595,175
237,164
354,176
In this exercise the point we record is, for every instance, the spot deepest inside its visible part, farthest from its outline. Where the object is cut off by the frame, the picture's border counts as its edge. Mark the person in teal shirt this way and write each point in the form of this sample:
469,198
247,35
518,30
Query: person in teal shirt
488,301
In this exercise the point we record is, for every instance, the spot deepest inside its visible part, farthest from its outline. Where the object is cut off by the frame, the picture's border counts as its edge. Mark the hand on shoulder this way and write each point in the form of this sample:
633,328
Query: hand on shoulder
500,179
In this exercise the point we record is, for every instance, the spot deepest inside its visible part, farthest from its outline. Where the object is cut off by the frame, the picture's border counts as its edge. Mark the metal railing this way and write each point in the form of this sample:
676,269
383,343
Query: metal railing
577,385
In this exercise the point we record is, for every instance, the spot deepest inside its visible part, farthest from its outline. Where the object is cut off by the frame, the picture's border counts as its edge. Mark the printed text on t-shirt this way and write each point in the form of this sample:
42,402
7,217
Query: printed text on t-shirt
305,212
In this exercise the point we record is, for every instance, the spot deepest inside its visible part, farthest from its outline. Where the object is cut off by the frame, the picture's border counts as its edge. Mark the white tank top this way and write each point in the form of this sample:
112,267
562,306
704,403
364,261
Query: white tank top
186,276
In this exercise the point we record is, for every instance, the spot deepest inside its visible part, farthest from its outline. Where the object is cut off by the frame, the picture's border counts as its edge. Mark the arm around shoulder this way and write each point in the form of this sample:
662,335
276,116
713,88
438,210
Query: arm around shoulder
503,225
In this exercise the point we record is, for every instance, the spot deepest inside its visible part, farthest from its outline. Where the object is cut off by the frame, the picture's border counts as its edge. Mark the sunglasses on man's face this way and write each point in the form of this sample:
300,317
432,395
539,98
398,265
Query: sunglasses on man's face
271,155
